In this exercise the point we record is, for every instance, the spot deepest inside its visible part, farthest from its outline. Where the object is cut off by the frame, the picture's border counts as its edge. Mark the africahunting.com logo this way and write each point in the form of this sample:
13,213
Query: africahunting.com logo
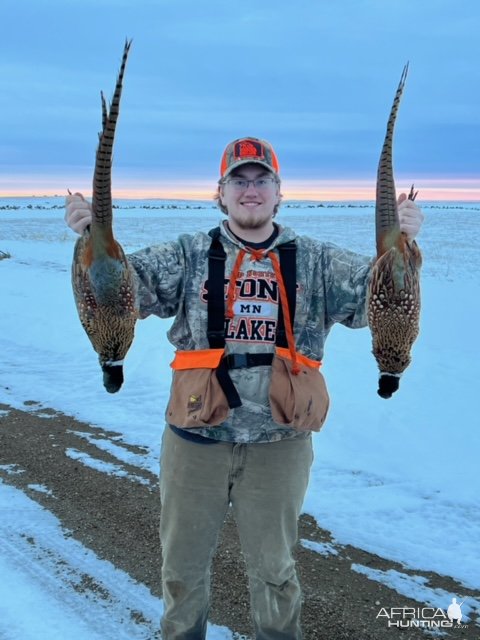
424,617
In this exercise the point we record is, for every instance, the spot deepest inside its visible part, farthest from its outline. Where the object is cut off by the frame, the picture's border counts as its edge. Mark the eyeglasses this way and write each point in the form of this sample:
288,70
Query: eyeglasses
240,184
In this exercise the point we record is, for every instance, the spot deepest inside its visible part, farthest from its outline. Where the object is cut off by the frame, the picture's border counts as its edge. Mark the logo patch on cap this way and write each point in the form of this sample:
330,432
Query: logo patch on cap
248,149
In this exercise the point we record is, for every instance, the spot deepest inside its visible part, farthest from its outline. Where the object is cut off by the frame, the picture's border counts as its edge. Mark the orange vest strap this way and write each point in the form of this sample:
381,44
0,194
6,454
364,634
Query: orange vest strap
199,359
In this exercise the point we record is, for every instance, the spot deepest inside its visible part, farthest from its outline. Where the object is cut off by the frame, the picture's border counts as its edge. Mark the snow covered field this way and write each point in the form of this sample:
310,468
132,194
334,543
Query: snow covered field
396,477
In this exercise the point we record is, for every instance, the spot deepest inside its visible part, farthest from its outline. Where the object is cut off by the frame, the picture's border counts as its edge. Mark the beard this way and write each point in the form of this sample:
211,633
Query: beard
251,220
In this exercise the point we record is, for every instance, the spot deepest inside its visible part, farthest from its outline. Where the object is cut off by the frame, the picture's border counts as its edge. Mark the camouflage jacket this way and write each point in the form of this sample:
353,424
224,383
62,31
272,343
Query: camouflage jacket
331,287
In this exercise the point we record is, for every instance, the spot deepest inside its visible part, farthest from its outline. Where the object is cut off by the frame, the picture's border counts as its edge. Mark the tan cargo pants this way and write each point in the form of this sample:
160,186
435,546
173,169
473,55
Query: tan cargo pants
265,484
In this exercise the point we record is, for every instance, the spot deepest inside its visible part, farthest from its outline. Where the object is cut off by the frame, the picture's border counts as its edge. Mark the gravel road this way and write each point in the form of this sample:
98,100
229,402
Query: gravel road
117,518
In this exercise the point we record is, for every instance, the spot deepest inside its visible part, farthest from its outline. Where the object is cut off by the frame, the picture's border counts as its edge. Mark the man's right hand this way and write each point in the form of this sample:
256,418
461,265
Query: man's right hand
78,212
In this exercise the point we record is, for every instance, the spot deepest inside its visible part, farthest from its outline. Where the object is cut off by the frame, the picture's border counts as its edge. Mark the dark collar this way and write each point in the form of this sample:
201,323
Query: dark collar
257,245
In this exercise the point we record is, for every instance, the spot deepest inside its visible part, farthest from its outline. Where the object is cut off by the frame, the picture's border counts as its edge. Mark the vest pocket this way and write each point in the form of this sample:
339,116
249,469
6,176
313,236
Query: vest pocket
196,398
300,401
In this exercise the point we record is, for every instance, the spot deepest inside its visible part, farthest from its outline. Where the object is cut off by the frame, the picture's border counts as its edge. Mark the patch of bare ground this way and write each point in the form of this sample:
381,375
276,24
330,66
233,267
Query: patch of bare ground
117,517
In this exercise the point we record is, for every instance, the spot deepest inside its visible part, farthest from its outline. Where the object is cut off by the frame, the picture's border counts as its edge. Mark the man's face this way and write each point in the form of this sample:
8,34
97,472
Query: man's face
251,207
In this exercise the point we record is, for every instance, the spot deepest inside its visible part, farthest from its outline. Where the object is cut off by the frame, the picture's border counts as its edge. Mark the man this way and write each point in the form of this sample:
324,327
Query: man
251,451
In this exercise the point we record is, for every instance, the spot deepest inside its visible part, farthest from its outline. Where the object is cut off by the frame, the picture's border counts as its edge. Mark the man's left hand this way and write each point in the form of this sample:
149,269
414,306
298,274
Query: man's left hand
410,216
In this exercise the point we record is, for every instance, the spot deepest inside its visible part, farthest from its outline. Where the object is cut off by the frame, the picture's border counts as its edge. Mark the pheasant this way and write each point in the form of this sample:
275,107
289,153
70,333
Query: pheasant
102,281
394,291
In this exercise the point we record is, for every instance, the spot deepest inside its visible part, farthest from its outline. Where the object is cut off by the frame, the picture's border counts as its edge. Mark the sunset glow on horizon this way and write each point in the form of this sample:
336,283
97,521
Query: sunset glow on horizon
459,190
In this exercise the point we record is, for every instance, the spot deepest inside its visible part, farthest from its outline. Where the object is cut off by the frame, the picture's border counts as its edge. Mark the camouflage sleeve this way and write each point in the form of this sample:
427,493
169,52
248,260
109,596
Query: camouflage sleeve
346,278
160,276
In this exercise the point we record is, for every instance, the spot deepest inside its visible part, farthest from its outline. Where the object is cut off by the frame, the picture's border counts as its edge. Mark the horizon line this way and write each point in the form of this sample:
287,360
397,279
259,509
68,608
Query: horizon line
465,198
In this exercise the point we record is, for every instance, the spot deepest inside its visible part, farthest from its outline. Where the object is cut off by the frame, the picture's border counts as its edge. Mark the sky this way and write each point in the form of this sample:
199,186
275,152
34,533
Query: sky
315,78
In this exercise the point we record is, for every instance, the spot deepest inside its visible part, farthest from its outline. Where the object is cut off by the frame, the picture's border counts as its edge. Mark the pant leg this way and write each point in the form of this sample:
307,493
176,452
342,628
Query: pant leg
194,501
267,498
